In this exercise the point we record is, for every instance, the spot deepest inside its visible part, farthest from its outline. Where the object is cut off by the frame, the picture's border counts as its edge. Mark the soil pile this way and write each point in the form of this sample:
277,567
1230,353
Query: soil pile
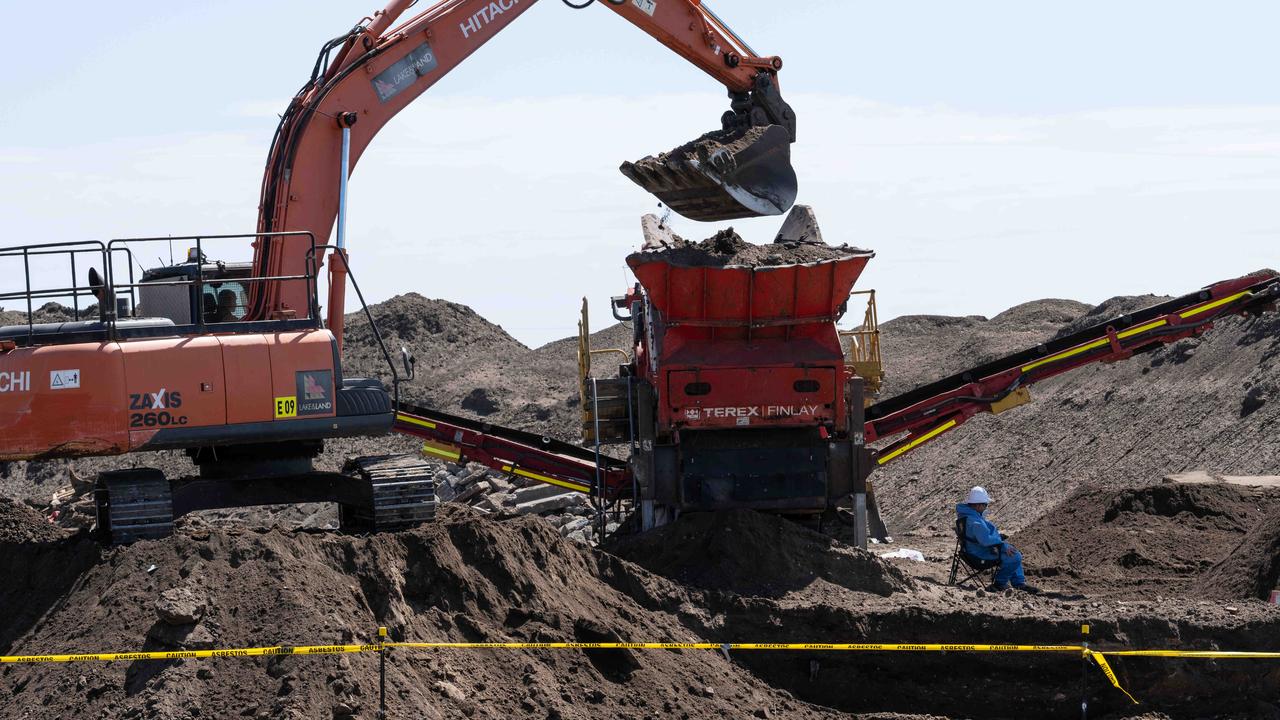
477,579
20,524
466,578
727,248
469,366
753,554
1200,404
1252,568
50,312
1153,539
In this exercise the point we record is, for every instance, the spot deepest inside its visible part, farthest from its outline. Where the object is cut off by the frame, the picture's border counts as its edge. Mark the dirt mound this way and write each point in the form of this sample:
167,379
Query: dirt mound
469,366
464,579
21,524
727,248
50,312
754,554
1249,570
441,334
476,579
1158,538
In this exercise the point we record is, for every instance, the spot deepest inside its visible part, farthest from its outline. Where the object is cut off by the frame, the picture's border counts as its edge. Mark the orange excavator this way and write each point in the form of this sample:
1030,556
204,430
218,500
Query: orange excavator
234,364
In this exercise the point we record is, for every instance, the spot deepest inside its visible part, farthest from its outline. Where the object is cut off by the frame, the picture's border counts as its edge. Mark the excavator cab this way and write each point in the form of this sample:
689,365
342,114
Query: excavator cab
173,291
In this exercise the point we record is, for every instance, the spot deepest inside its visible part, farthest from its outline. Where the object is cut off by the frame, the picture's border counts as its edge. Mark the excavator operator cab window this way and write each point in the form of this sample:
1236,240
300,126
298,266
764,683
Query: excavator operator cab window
188,293
224,302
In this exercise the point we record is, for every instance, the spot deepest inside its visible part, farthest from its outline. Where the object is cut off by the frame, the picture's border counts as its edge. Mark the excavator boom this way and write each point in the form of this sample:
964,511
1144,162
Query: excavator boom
365,77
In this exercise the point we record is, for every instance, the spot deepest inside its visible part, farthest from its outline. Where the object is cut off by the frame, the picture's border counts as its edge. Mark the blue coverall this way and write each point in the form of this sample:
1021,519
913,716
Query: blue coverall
983,541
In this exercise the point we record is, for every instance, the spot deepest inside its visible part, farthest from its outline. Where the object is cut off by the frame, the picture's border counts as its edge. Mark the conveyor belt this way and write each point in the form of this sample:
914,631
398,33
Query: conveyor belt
516,452
939,407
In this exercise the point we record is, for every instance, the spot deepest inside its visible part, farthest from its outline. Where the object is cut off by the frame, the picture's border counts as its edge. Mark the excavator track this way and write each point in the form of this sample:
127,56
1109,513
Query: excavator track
135,504
401,493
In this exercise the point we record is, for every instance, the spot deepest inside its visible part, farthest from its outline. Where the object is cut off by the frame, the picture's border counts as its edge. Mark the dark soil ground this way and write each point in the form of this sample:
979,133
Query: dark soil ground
1252,568
751,554
1157,540
478,579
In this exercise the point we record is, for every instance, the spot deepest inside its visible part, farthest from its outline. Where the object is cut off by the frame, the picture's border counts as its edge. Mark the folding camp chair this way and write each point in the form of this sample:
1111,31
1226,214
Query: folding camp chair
973,567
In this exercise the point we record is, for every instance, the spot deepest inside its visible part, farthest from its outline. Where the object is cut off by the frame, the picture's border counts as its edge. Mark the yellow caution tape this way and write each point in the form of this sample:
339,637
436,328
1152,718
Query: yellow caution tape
1195,654
837,647
1106,670
1099,657
192,654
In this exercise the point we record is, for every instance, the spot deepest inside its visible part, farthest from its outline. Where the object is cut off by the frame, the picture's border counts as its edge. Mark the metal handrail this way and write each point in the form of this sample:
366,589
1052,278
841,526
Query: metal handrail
864,357
69,248
199,241
107,311
868,351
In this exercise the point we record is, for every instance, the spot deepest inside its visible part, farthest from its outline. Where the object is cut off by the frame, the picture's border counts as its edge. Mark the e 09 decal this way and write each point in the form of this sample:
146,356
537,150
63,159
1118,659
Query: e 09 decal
286,407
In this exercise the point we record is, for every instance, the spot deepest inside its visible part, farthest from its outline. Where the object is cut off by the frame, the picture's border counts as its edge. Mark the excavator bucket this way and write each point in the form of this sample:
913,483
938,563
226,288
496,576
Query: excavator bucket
723,175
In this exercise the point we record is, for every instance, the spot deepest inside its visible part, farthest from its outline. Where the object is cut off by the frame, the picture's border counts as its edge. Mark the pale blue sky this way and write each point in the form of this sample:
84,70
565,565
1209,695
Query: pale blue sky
1079,149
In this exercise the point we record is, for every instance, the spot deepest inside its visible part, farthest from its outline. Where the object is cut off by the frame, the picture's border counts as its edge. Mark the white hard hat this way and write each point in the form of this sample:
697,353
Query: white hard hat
977,496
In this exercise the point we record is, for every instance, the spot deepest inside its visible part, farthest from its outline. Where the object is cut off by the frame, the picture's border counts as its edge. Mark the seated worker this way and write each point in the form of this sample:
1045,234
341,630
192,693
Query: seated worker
226,306
983,541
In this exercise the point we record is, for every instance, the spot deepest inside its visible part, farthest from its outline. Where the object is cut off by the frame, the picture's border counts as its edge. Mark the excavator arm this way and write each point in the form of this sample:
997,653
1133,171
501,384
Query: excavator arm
922,415
365,77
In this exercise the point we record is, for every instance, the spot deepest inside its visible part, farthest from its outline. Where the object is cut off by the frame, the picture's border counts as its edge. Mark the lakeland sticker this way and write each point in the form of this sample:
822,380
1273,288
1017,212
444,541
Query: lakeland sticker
404,72
315,392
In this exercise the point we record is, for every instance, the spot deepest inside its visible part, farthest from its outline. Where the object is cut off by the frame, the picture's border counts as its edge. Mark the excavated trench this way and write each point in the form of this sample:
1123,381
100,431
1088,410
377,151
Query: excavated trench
481,579
981,685
821,591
